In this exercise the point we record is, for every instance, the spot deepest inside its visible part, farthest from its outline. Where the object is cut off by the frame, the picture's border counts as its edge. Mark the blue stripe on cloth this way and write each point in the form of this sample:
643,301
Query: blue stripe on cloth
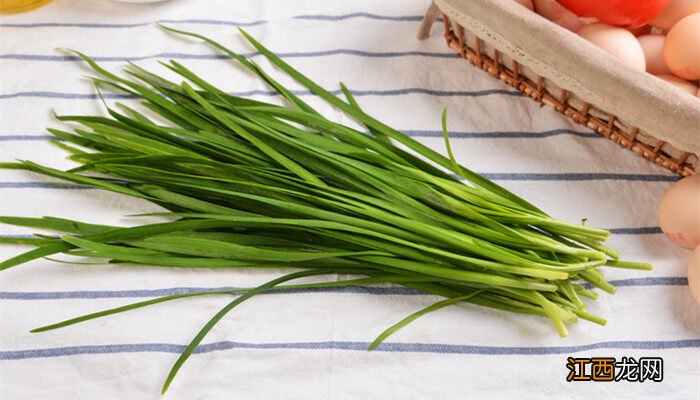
58,95
590,176
566,177
357,93
43,185
23,236
22,138
502,134
378,291
186,56
435,348
651,281
647,230
318,17
651,230
131,25
141,293
413,133
323,17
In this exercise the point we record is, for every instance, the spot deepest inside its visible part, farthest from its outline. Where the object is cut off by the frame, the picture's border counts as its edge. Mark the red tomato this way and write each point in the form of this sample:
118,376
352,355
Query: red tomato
625,13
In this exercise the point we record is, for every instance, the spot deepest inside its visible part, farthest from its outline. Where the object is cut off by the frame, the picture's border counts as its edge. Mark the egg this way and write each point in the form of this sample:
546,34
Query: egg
617,41
527,4
682,48
680,83
674,11
679,212
653,48
694,275
556,13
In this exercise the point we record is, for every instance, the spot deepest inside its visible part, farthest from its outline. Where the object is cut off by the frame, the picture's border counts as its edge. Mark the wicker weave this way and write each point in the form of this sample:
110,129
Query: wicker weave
483,55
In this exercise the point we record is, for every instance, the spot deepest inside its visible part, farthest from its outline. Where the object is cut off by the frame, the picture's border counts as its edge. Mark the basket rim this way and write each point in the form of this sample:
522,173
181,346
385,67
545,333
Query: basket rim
658,109
538,91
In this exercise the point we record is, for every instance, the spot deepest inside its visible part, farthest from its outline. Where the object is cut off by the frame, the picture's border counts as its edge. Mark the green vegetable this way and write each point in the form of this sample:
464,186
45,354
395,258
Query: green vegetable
249,184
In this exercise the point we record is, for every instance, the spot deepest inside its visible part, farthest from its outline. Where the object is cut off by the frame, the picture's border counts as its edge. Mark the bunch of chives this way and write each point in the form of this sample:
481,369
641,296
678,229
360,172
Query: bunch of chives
249,184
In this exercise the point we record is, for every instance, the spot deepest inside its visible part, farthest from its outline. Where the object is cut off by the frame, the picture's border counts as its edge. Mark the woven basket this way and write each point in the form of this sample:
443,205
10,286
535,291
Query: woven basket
639,114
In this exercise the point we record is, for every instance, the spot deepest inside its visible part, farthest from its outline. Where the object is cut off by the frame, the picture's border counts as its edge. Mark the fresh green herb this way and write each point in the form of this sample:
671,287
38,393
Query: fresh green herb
250,184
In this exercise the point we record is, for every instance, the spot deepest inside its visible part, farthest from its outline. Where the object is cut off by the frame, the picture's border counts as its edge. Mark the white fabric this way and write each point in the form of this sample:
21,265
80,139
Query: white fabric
311,345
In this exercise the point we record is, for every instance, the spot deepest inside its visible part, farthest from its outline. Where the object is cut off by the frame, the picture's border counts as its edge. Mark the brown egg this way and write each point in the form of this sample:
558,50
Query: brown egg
617,41
653,48
679,83
694,275
675,11
679,212
682,48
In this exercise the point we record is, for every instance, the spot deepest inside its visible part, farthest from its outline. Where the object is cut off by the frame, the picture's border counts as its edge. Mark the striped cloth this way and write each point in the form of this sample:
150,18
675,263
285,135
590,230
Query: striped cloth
312,346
